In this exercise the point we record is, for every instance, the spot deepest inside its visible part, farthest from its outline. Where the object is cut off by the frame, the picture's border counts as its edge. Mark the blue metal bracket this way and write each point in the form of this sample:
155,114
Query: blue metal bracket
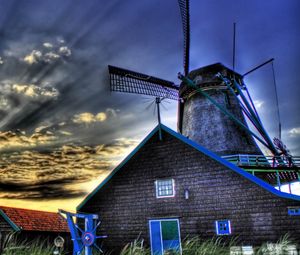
83,239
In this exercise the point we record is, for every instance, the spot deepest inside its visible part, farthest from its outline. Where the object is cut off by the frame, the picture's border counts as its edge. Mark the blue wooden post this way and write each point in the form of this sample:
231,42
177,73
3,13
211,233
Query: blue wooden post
278,180
74,234
83,239
89,225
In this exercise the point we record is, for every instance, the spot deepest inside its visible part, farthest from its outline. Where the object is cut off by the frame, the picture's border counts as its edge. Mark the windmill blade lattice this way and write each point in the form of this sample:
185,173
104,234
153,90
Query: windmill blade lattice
122,80
185,16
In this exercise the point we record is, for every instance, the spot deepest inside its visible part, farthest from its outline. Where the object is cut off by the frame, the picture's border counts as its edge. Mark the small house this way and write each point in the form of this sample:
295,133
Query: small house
170,187
32,224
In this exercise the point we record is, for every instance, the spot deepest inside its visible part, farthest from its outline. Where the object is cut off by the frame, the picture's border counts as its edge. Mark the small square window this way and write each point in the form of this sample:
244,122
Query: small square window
294,211
165,188
223,227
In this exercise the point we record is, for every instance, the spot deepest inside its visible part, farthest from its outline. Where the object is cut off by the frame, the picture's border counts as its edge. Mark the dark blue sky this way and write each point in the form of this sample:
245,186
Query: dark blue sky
54,56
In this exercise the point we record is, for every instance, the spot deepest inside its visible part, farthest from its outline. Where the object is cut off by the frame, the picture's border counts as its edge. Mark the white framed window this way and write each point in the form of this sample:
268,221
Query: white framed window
165,188
223,227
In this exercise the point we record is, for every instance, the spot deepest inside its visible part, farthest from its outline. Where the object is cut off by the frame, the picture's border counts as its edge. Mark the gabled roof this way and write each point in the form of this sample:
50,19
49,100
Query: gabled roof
32,220
201,149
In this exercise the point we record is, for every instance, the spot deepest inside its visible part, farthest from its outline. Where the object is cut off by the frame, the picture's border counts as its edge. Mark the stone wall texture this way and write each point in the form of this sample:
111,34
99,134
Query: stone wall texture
205,124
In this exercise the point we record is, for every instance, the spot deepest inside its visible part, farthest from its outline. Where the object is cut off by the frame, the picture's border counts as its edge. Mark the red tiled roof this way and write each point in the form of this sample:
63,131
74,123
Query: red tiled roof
32,220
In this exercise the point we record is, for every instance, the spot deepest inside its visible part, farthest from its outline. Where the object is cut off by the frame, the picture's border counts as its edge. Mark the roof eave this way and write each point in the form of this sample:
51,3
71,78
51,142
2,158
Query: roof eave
10,222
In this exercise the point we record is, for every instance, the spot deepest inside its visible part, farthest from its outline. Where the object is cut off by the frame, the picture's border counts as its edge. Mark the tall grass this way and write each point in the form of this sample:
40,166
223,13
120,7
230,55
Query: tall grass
13,246
190,246
135,248
196,246
279,248
215,246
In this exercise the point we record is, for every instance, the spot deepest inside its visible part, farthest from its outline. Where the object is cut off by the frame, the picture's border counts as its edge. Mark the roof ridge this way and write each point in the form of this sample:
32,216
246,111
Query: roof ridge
26,209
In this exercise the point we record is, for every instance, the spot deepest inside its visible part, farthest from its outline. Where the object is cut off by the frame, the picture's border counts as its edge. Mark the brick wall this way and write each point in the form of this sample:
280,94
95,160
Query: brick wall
128,201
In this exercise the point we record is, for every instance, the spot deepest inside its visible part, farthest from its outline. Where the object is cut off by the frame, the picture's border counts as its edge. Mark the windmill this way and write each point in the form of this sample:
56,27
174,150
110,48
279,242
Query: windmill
212,103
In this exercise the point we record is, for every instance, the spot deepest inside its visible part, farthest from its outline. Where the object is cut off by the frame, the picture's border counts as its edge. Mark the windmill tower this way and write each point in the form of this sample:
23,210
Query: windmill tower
202,122
211,102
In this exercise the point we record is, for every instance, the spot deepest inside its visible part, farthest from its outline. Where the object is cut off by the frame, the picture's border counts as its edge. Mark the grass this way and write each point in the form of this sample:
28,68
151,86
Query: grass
279,248
12,246
196,246
190,246
135,248
215,246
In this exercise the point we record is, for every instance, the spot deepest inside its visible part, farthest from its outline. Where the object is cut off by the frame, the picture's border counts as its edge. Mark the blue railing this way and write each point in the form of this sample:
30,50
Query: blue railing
263,161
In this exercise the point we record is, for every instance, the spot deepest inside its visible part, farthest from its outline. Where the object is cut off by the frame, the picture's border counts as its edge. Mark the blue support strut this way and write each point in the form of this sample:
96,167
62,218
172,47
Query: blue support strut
83,239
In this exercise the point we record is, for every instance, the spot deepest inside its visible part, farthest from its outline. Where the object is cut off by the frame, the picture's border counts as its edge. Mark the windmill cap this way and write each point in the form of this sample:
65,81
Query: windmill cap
214,69
207,78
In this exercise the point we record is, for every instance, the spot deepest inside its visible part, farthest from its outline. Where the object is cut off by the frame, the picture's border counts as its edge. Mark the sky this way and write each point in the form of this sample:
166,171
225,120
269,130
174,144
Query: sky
62,130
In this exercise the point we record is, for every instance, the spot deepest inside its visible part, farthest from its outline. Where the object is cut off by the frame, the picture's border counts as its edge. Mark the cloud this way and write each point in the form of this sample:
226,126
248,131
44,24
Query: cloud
49,190
294,132
1,61
112,112
19,100
57,172
88,117
10,140
48,54
65,51
41,128
50,57
48,45
60,40
5,104
63,132
34,57
33,91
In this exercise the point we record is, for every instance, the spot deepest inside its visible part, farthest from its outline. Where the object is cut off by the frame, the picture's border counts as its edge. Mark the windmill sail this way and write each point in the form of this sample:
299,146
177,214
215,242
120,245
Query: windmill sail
185,16
122,80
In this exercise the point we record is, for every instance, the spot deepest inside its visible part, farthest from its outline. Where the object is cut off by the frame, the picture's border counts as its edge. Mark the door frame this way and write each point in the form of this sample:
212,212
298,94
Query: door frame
160,220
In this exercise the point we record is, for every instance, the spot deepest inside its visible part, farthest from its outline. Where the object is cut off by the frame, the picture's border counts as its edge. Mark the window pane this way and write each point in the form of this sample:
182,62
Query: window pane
295,187
170,235
164,188
169,230
156,244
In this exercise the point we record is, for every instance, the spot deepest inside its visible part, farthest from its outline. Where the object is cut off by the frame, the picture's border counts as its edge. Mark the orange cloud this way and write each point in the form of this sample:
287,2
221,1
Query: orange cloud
11,140
33,91
64,172
87,117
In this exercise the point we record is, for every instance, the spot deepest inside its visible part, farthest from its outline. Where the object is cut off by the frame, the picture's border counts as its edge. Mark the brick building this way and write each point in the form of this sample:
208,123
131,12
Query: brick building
168,189
32,224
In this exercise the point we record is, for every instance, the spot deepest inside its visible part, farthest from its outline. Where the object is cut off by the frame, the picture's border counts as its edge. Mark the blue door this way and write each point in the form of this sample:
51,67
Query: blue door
164,236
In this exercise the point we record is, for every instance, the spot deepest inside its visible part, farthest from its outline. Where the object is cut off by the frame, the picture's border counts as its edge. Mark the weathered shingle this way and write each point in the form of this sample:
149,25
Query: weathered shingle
33,220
